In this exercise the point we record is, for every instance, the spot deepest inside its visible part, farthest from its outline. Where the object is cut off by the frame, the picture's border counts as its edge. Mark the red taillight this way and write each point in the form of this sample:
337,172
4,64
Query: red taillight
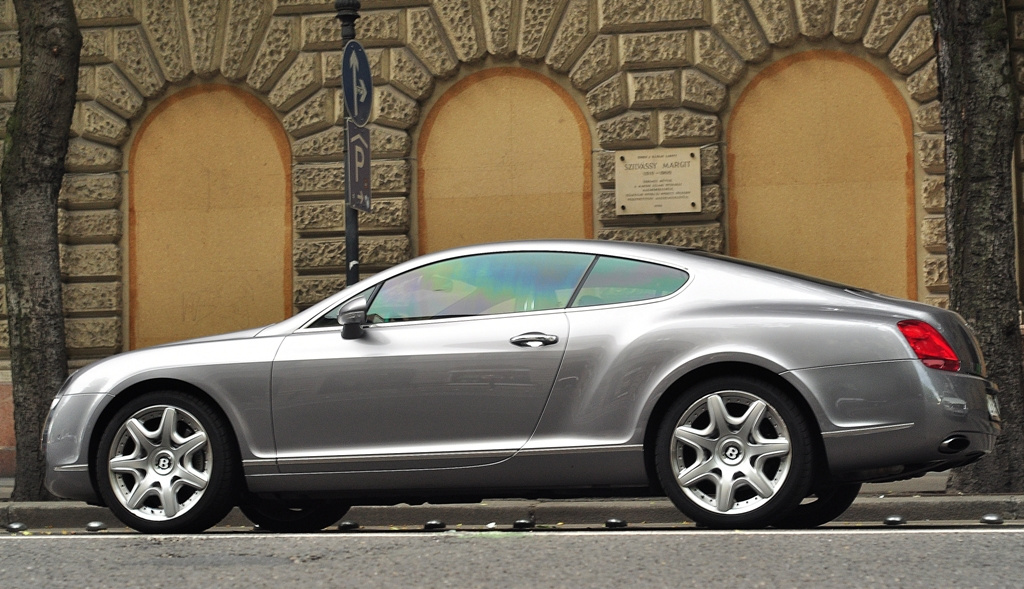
929,345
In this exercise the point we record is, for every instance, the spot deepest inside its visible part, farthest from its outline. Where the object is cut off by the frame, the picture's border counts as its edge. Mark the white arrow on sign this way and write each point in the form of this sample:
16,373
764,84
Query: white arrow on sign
358,84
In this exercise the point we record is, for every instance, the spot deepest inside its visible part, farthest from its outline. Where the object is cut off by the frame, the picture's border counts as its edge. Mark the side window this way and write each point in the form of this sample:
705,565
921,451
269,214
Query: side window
614,280
330,318
481,285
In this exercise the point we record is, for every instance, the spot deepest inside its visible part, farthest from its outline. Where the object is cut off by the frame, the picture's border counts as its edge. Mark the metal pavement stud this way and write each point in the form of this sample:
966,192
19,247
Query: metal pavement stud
434,524
96,526
992,519
615,523
522,524
895,520
15,527
347,525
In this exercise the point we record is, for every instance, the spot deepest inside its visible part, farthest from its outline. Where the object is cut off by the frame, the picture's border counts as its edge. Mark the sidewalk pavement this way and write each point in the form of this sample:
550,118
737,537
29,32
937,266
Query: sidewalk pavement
919,500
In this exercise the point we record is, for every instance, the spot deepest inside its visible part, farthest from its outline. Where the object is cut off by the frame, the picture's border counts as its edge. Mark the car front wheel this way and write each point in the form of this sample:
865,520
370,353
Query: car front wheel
166,463
734,452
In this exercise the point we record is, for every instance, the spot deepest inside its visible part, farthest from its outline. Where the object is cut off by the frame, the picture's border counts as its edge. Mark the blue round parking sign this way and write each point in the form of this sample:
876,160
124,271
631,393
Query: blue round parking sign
357,83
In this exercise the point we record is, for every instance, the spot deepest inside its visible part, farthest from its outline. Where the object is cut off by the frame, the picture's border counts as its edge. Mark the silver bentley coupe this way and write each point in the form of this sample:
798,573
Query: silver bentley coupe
749,396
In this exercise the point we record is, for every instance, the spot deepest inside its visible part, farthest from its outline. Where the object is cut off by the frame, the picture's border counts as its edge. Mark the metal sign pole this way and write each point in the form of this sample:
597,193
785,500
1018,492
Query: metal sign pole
348,12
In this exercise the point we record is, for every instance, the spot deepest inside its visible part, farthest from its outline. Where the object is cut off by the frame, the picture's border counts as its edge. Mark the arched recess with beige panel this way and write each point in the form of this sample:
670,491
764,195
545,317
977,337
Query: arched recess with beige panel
503,154
821,173
210,217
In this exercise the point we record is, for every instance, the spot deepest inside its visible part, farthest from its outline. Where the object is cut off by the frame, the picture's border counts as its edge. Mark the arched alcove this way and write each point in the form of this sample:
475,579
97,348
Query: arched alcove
821,173
209,217
503,154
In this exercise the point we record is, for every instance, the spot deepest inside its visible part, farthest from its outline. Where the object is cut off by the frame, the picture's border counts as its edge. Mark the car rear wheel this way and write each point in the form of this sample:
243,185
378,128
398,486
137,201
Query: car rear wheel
734,452
292,517
821,507
166,463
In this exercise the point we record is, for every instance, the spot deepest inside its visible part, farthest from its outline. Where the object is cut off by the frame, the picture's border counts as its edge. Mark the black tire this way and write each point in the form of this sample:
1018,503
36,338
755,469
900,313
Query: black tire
747,468
292,517
167,462
821,507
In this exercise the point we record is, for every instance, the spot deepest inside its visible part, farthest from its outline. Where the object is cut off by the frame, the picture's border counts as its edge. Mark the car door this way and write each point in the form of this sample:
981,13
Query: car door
454,369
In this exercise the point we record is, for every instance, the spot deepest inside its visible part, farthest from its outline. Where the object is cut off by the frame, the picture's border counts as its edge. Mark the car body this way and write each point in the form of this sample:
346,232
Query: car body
534,369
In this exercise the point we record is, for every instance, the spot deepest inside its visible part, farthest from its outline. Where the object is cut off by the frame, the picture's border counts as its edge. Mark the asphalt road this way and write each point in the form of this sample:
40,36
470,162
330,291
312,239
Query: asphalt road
896,557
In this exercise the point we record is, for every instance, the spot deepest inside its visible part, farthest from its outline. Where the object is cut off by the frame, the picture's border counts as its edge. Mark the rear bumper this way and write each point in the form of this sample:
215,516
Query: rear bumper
889,420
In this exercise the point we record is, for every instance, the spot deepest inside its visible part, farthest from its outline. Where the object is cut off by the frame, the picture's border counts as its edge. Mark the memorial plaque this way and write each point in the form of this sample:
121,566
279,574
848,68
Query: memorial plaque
655,181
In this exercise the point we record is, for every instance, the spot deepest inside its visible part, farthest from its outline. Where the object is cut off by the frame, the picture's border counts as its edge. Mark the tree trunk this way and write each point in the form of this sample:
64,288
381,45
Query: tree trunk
30,181
979,113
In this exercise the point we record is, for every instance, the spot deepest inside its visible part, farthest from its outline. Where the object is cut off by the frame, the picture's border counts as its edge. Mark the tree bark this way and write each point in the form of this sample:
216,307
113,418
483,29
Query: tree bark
979,113
30,181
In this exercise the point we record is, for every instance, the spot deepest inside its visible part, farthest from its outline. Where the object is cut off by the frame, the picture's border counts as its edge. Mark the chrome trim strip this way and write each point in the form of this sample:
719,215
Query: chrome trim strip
259,462
72,468
867,430
395,457
580,449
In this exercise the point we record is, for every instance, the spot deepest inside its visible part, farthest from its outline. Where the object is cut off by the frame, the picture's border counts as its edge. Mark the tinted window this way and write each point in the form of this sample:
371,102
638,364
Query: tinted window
481,285
614,280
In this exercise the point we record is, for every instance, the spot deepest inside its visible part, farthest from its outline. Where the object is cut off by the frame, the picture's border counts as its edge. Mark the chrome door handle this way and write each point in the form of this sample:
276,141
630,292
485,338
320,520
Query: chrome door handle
534,339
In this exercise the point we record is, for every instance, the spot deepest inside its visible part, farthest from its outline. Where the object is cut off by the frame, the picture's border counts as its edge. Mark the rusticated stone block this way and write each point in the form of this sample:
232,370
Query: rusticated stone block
605,162
92,13
316,114
654,90
86,84
279,48
321,31
117,93
735,23
163,20
933,234
9,82
246,22
923,84
94,334
409,75
461,20
318,179
390,177
777,21
380,65
851,18
202,38
937,301
933,194
92,121
312,290
137,63
713,56
596,64
329,254
712,200
889,21
10,49
929,116
427,42
331,75
537,25
655,50
90,191
702,92
498,19
389,143
609,98
631,15
683,127
936,274
710,163
931,152
391,108
97,46
90,261
6,110
1016,19
300,81
629,130
386,215
77,227
707,237
814,17
86,156
915,47
92,298
323,146
574,35
379,28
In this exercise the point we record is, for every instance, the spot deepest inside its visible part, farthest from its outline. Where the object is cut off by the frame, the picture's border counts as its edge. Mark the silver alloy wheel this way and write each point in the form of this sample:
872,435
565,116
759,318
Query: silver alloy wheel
730,452
160,462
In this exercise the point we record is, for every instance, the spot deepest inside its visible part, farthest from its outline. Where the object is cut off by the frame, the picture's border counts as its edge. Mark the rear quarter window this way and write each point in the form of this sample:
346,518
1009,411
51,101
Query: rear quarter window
616,280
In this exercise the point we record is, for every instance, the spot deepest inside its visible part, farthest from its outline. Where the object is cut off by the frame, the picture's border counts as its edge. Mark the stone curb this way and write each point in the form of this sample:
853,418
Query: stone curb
871,510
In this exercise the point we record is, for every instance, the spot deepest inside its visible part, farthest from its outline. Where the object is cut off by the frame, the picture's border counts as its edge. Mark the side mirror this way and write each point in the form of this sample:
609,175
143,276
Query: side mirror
351,317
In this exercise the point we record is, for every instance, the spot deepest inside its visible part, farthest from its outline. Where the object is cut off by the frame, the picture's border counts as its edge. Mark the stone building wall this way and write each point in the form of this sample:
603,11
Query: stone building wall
651,73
